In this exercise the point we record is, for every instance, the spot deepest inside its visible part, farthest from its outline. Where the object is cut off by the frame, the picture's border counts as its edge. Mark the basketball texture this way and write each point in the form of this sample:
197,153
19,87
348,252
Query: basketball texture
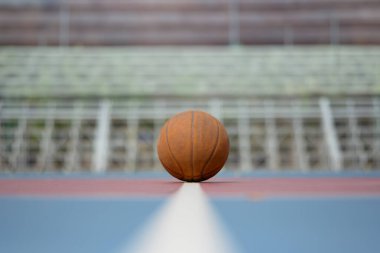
193,146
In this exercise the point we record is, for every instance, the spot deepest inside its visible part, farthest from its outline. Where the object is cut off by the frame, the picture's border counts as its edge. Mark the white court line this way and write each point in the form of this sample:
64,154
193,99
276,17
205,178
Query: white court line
186,223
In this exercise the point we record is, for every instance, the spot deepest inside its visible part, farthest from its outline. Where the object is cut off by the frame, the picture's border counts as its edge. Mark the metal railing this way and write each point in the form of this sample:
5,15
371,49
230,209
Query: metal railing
317,134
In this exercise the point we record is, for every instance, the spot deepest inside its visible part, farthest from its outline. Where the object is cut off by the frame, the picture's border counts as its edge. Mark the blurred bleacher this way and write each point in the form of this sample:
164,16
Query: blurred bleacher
296,83
206,71
101,108
188,22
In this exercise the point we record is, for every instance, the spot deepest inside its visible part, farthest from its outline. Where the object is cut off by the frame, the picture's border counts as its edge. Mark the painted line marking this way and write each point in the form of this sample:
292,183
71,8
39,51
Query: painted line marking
187,223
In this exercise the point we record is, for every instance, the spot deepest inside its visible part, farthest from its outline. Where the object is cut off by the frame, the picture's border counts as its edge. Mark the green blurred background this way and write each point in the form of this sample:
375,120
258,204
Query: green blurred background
86,85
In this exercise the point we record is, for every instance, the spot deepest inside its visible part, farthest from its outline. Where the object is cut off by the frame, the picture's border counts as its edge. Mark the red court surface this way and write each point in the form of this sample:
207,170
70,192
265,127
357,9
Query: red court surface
251,187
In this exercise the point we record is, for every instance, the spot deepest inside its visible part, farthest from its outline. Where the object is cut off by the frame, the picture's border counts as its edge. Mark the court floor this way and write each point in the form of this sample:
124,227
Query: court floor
255,212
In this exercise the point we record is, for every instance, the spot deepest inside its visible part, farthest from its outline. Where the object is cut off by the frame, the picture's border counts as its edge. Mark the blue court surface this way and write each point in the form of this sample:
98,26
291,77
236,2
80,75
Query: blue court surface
260,212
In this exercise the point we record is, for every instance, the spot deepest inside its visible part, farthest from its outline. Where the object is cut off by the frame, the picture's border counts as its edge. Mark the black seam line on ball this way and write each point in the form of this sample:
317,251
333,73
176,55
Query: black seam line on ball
170,151
213,150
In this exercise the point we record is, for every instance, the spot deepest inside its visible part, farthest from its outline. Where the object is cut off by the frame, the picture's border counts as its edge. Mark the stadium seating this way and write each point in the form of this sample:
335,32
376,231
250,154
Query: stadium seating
96,108
205,71
301,108
186,22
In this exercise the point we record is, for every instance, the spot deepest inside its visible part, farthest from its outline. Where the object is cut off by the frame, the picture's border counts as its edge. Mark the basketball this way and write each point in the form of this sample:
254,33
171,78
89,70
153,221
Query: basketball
193,146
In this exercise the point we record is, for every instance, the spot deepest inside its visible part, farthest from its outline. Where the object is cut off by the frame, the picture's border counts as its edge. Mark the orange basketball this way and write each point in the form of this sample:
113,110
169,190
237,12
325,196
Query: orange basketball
193,146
